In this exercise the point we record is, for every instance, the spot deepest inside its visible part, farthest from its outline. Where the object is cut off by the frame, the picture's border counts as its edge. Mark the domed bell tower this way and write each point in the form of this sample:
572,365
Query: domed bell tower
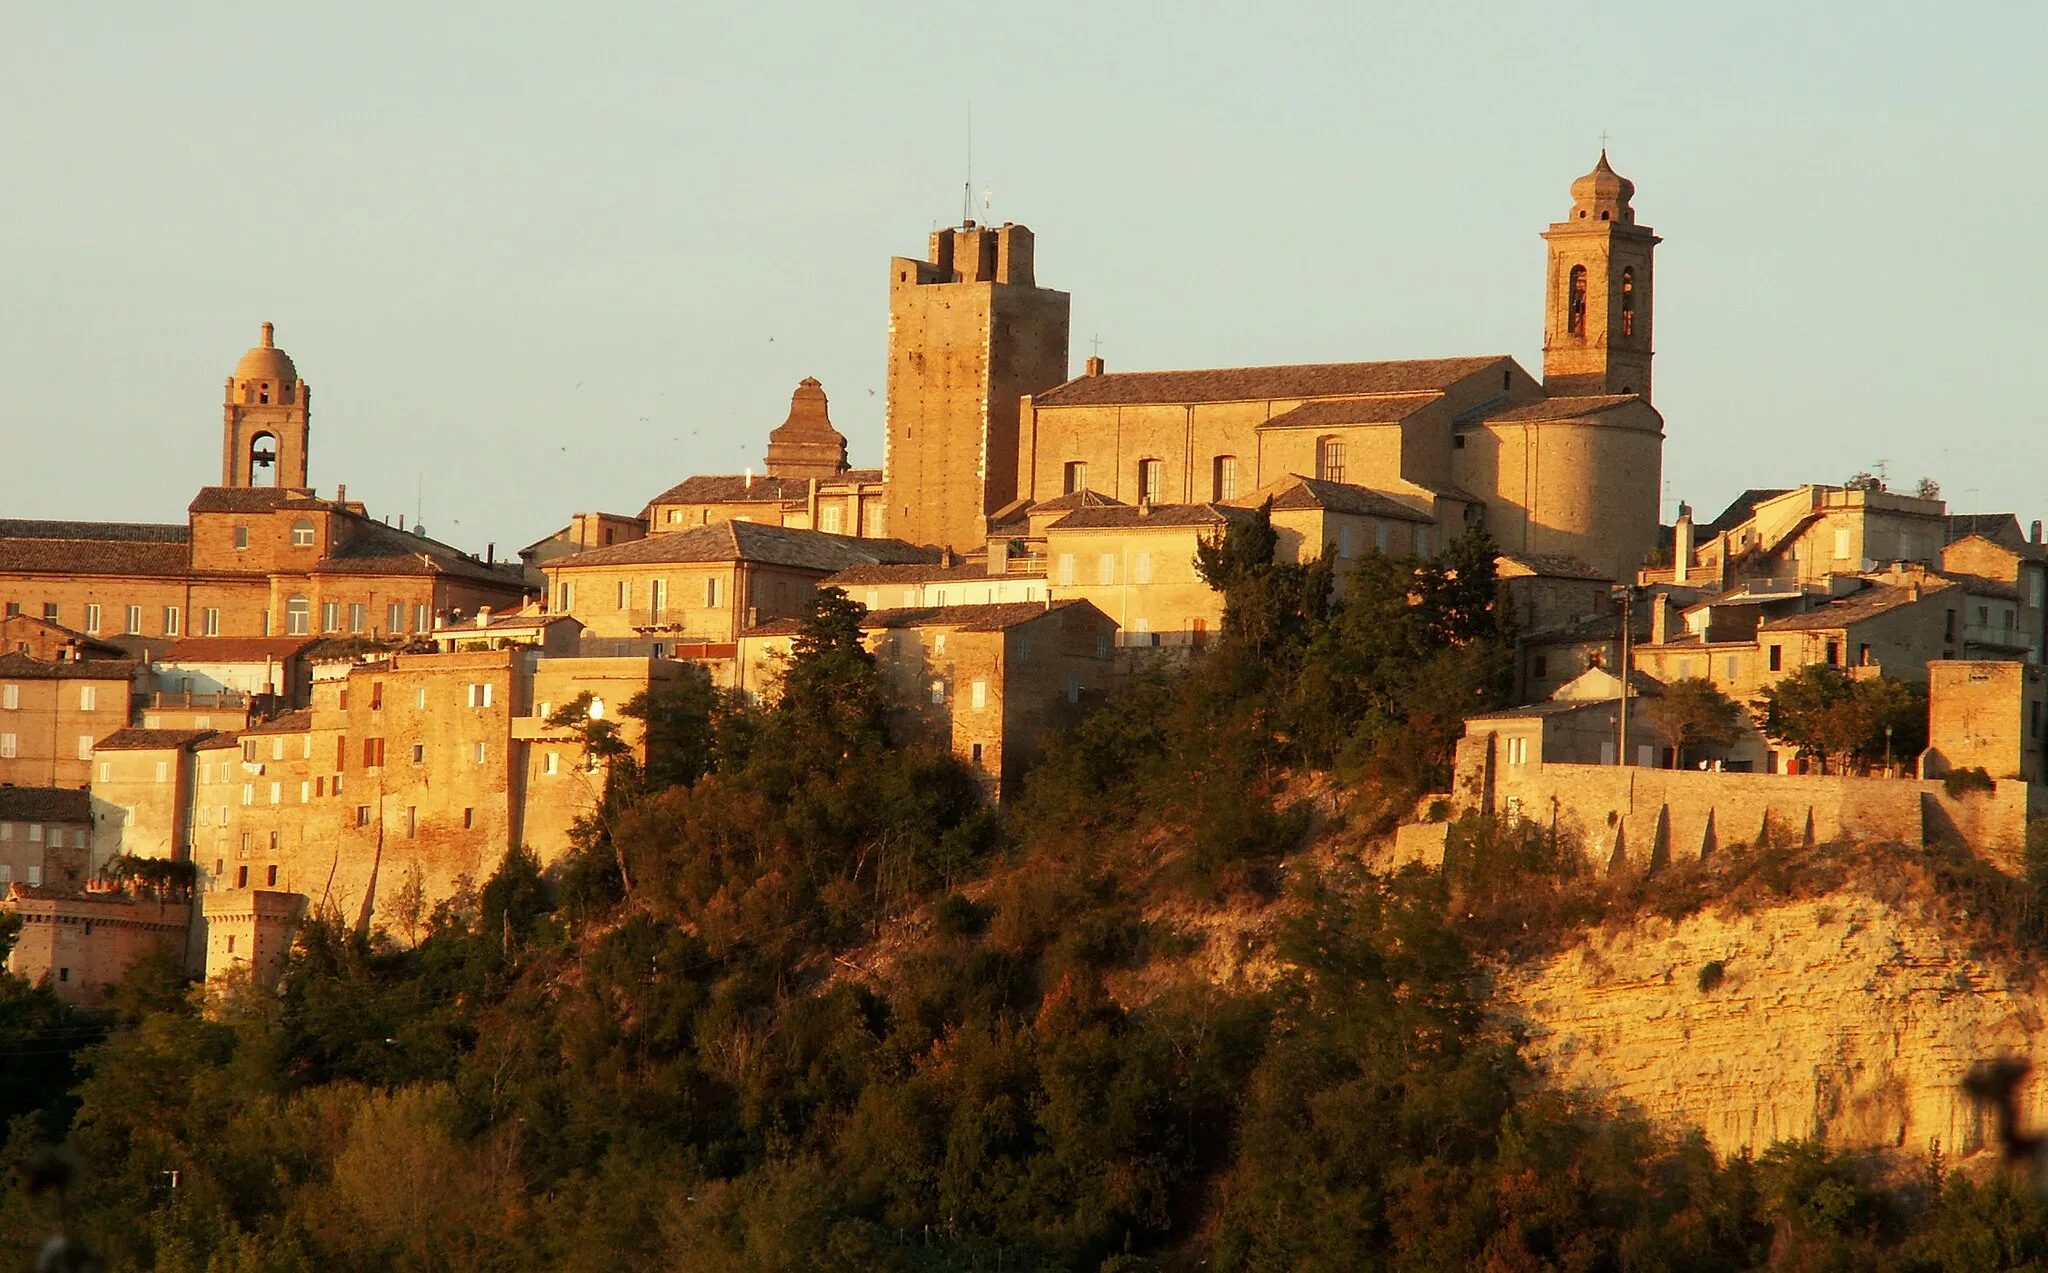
1597,316
266,420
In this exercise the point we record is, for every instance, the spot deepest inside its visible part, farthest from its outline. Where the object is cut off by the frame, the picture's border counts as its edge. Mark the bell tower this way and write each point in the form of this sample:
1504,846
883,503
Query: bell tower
1597,311
266,420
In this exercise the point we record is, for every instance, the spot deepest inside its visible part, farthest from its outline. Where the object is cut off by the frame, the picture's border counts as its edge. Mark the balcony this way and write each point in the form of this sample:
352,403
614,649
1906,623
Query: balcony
220,700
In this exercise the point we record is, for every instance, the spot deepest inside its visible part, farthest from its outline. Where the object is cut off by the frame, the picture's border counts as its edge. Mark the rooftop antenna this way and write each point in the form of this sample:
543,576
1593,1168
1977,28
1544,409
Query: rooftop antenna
967,187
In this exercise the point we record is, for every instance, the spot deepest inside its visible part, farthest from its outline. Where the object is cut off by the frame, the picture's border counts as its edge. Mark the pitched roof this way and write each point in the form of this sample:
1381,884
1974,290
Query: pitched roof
20,667
45,804
1565,408
288,723
234,649
909,572
1855,608
1742,509
1083,498
374,548
150,739
252,499
1297,492
1335,411
1554,566
982,618
105,532
750,541
1251,384
735,488
1152,517
48,554
2000,528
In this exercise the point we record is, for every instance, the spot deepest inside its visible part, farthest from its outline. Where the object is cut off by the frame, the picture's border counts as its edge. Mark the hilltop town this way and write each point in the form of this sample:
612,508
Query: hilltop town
295,706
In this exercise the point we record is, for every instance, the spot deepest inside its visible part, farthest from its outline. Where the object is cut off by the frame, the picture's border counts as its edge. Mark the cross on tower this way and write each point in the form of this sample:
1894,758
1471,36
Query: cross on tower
1095,343
1603,141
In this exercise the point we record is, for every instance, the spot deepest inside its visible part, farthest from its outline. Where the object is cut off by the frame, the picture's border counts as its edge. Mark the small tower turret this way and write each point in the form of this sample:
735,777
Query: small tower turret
266,419
1597,311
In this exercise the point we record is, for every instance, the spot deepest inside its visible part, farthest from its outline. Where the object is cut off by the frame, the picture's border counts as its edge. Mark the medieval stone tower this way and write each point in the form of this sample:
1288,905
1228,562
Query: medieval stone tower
1597,319
805,444
970,333
264,431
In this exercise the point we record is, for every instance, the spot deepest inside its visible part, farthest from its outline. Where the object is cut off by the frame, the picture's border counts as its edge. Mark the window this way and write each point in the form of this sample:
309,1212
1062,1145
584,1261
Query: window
330,616
85,746
1223,477
419,698
980,695
1834,654
1733,664
163,771
1151,481
10,697
394,617
241,537
1863,655
241,877
1983,616
9,746
481,753
468,819
657,595
977,756
92,619
1105,568
939,641
298,616
1841,545
88,698
412,821
625,591
1077,477
711,593
938,691
675,516
480,695
362,815
50,612
1518,751
829,519
1575,302
341,752
276,794
1024,648
422,617
1628,302
1344,540
170,620
248,794
1066,570
1540,666
302,533
1422,541
550,763
358,617
1073,689
1948,625
376,696
419,753
373,753
1330,459
270,876
568,591
209,621
134,623
1141,631
35,833
305,792
1141,568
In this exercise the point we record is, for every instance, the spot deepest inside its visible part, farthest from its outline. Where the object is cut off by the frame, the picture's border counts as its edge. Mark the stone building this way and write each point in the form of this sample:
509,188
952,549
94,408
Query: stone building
142,793
1570,465
45,837
690,594
914,585
985,680
82,941
53,714
1986,714
970,335
1137,565
52,642
259,555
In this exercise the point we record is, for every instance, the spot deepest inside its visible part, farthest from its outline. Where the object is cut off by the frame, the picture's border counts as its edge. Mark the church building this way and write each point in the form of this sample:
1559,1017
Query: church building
983,422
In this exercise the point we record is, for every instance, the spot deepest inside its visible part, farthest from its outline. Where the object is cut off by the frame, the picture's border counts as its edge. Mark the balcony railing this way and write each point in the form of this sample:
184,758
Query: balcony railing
221,700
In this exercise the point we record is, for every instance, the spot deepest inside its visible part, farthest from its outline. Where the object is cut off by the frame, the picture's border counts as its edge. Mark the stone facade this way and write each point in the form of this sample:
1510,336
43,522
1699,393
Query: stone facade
45,837
142,793
53,714
970,334
1986,714
83,942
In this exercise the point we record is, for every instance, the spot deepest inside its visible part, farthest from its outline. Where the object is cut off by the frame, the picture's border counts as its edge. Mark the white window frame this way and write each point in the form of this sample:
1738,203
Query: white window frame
980,695
88,698
1066,570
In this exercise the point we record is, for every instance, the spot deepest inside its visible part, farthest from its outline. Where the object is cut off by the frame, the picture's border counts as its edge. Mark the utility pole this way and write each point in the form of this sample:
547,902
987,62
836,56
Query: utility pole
1627,593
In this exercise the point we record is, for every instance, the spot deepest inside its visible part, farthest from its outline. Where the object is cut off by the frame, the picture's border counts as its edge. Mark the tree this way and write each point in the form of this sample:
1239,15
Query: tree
1823,711
1695,713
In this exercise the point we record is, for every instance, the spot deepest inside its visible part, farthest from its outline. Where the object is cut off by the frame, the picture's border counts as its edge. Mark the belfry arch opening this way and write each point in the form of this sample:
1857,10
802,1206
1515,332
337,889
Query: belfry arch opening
1575,302
263,460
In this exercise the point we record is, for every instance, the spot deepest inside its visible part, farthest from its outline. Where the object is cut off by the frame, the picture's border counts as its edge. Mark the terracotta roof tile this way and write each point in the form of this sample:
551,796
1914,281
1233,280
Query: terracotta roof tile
1297,492
1252,384
750,541
1554,566
1560,408
45,804
1856,608
1334,411
252,499
289,723
234,649
20,667
1741,510
982,618
909,572
151,739
115,532
1156,517
40,555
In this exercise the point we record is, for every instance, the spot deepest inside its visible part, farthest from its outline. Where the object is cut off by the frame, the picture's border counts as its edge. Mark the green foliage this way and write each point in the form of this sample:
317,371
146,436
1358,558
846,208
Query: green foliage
1824,712
1693,712
1961,782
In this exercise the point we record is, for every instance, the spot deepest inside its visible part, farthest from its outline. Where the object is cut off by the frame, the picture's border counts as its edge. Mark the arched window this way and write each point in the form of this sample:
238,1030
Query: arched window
1575,302
1628,302
298,616
302,533
263,460
1330,459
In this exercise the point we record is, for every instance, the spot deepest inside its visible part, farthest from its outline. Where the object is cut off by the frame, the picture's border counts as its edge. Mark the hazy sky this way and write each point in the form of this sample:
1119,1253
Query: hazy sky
540,259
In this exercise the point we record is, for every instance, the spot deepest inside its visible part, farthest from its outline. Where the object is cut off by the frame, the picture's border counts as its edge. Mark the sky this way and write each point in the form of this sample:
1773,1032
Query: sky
541,259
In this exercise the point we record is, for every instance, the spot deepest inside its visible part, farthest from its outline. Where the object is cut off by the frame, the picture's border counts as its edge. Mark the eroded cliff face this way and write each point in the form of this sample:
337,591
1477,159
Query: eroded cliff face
1844,1019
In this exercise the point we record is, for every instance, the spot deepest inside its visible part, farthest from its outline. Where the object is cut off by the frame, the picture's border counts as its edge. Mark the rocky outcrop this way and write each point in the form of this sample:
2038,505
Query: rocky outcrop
1845,1019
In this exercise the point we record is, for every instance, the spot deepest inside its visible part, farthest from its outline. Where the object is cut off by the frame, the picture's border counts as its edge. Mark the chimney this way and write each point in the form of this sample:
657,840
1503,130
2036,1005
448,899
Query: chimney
945,556
1661,613
341,493
2035,535
491,553
1145,507
1681,552
483,616
1094,366
750,477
